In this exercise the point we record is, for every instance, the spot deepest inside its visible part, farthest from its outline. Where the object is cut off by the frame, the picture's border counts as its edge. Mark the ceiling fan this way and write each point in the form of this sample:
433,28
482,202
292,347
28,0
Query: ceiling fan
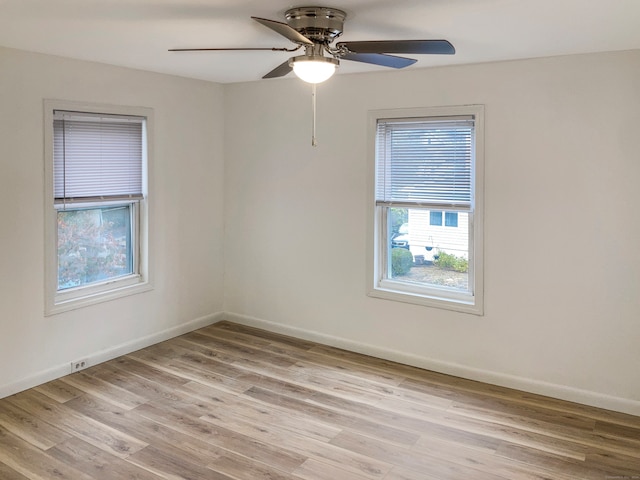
316,28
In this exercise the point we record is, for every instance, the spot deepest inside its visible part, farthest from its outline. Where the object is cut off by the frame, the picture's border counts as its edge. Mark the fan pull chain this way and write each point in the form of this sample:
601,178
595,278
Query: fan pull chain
314,142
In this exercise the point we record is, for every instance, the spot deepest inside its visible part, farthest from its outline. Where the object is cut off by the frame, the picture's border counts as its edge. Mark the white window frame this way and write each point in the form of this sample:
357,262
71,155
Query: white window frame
57,301
378,285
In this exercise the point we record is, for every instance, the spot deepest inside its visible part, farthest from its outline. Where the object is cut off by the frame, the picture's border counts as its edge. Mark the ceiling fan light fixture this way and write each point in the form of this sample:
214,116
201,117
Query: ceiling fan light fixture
314,68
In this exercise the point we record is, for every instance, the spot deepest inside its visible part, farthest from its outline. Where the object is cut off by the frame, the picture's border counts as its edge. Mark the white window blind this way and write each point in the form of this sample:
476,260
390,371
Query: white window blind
97,157
425,162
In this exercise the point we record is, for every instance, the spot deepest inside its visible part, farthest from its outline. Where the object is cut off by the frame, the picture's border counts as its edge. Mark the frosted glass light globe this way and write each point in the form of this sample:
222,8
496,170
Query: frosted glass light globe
314,69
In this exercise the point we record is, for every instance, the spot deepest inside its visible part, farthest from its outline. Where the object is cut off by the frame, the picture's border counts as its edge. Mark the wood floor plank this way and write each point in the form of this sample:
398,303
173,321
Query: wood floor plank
613,464
59,390
549,461
29,428
340,384
170,465
397,455
487,462
148,370
539,414
190,368
218,333
166,438
103,389
271,336
618,431
379,448
307,439
259,414
310,363
322,451
470,391
242,468
82,426
231,402
283,459
554,404
33,463
97,463
412,406
440,470
334,366
546,427
147,388
8,473
504,432
340,418
314,469
241,352
384,416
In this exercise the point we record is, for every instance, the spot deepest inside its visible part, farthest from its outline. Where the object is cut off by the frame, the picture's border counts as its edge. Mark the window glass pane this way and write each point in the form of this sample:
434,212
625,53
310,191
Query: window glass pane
399,227
450,219
94,245
435,218
429,255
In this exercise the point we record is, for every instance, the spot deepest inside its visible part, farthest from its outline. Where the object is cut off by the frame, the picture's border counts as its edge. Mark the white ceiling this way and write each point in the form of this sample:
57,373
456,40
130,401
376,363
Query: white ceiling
137,33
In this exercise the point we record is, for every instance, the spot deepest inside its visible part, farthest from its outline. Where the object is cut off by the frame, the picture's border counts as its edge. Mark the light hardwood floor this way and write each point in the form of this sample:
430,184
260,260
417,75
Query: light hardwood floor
233,402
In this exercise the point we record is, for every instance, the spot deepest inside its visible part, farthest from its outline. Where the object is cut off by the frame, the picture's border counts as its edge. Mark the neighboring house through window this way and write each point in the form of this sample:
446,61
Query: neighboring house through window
97,190
428,177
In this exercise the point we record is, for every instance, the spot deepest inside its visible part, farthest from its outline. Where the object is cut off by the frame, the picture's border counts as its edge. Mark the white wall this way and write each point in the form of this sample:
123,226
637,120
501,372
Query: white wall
562,310
186,228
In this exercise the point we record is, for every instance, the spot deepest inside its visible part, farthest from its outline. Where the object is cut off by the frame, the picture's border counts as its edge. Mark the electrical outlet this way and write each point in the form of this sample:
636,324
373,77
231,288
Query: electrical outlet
79,365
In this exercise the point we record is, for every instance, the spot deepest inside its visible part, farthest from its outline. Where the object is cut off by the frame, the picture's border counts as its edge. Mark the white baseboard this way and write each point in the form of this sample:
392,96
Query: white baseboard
561,392
104,355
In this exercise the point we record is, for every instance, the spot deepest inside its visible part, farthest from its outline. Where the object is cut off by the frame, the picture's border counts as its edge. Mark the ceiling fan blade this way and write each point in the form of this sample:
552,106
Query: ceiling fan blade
442,47
380,59
284,30
280,71
231,49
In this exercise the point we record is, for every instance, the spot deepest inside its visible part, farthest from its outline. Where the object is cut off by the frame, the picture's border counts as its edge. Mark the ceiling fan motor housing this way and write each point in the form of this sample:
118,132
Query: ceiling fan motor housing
319,24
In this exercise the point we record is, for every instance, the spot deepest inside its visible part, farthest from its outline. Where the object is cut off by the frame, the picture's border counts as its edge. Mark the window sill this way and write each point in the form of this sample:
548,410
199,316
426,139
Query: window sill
400,292
93,295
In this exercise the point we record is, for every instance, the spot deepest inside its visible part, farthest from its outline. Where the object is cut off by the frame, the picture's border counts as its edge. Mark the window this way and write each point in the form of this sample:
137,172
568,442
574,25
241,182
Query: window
428,174
450,219
97,194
